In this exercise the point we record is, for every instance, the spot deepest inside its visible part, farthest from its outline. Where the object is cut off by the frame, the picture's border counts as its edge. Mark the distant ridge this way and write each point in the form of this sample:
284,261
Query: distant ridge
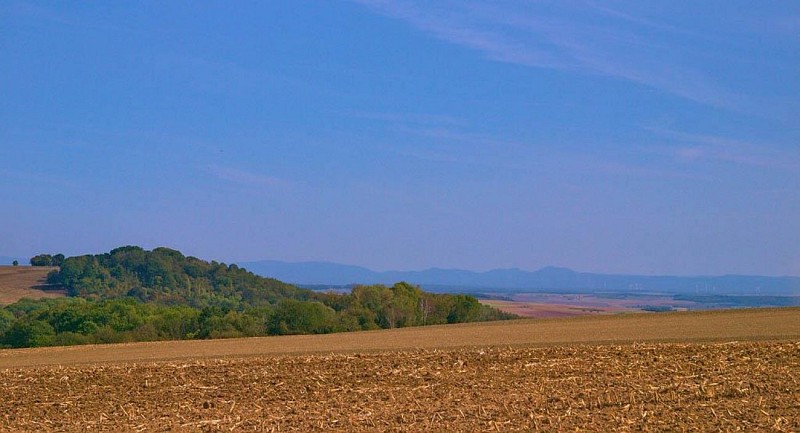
548,278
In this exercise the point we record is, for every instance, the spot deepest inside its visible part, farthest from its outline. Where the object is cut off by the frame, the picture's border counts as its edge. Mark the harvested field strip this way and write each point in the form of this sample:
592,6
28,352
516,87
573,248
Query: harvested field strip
755,324
746,386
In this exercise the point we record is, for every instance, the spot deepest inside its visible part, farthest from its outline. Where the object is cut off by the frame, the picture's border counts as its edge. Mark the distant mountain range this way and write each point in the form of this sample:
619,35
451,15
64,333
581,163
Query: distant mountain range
509,280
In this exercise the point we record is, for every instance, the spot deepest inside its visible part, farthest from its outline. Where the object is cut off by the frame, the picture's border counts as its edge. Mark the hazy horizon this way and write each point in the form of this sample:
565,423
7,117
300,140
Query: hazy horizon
622,137
481,270
23,261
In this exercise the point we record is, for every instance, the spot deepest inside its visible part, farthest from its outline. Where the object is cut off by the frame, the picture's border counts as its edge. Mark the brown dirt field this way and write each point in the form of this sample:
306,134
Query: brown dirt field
698,371
745,386
17,282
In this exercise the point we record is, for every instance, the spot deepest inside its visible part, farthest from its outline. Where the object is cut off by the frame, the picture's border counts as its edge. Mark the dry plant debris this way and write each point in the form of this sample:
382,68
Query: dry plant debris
739,386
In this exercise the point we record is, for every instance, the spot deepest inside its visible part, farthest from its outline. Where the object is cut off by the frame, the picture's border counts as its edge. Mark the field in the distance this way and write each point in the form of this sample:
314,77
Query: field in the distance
553,308
546,305
716,370
17,282
543,305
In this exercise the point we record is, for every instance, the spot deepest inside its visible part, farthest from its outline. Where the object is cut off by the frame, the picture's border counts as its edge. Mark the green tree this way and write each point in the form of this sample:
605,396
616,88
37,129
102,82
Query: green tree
57,260
370,304
177,323
402,310
464,309
123,314
15,263
302,317
25,333
6,320
358,318
42,260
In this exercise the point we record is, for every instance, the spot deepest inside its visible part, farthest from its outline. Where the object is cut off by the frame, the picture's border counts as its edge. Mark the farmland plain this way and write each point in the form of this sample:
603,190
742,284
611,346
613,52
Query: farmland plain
712,370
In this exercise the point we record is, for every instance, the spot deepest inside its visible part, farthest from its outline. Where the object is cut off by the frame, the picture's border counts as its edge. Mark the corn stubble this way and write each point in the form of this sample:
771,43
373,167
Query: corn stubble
741,386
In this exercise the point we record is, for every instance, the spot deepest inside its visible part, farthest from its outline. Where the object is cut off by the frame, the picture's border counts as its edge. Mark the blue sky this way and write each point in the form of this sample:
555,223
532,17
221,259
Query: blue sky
619,136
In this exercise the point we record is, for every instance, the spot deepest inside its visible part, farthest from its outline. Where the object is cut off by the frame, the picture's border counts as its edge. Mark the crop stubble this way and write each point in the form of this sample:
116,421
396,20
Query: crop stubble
694,372
744,386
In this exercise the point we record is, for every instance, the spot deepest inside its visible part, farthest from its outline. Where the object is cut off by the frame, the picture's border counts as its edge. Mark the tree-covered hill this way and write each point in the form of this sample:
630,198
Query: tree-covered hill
166,276
131,294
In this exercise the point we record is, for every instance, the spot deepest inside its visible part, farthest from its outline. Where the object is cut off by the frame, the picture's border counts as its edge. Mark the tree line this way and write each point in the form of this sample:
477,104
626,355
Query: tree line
47,260
131,294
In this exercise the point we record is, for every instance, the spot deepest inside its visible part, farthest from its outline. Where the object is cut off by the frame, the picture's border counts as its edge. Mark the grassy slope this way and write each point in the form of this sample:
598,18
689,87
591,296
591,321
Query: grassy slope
730,325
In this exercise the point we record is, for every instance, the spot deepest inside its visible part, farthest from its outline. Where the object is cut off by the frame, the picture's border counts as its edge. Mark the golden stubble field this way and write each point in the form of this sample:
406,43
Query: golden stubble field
731,370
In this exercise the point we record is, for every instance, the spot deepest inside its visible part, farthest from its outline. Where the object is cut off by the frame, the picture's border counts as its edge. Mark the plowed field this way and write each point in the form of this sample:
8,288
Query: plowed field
720,378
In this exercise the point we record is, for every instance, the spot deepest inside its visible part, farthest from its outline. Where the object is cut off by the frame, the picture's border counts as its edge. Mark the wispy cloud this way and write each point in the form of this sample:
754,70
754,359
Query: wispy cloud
246,178
616,168
462,26
447,139
606,9
690,148
578,37
445,129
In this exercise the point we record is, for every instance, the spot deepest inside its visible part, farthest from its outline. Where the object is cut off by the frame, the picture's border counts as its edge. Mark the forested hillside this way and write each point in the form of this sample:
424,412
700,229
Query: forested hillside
167,277
131,294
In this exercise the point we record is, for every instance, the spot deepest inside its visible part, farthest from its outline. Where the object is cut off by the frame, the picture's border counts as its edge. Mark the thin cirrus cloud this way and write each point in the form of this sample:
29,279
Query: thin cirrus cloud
690,148
446,139
600,41
439,127
246,178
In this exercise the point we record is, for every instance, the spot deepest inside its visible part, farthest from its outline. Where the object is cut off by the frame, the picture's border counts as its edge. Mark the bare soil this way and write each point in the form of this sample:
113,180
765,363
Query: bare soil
17,282
741,386
707,371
